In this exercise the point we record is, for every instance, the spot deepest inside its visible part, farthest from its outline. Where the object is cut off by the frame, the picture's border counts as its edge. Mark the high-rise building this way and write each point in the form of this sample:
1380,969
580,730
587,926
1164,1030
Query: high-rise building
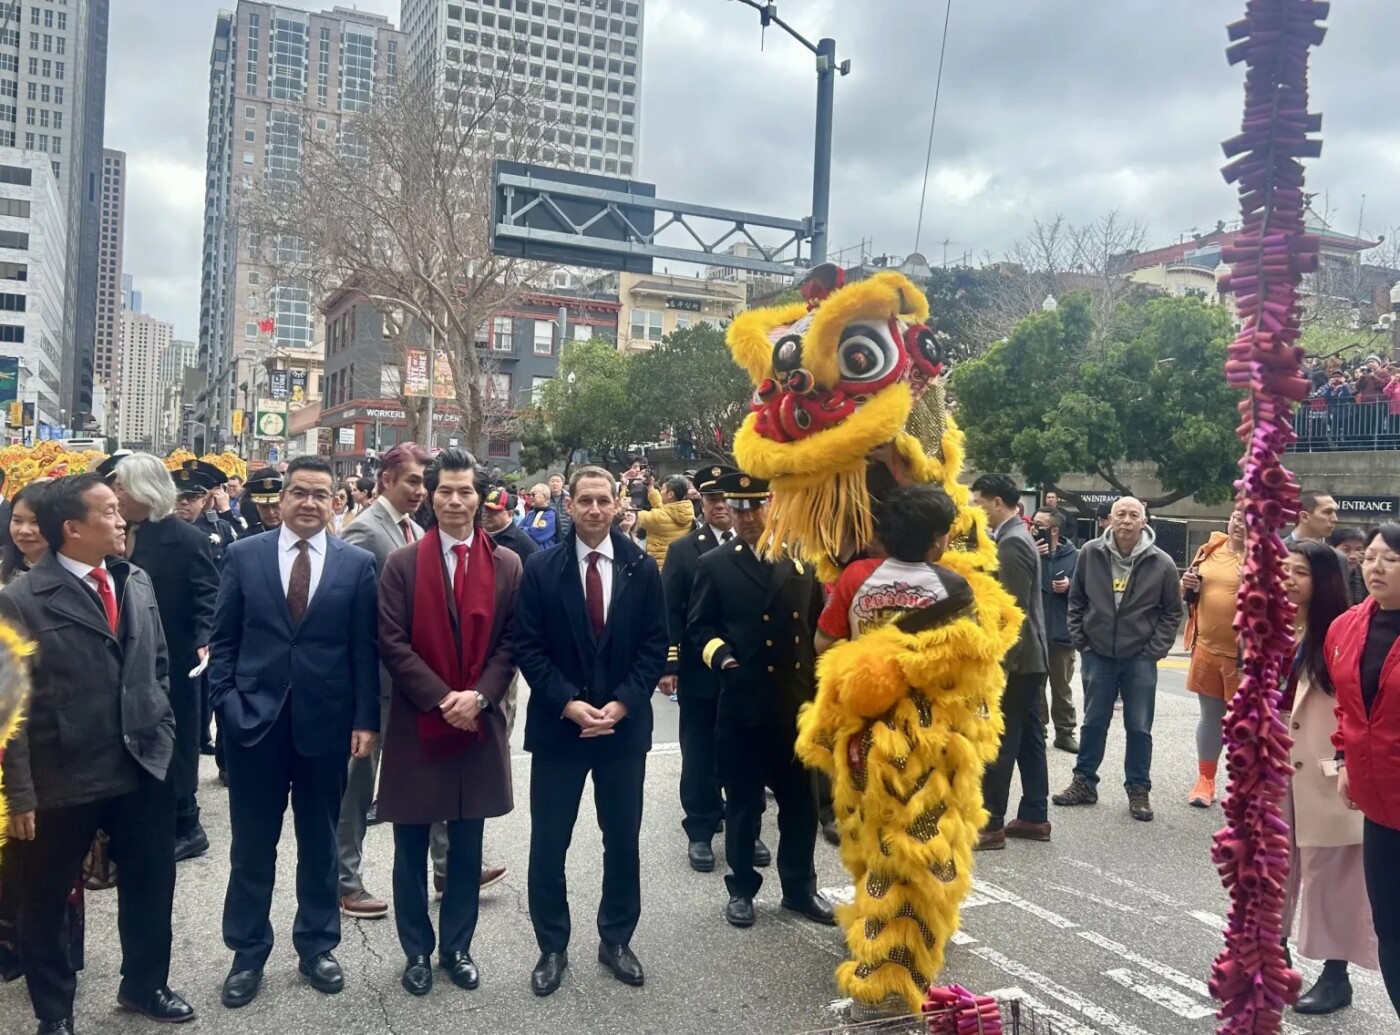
53,70
33,251
110,281
171,365
274,72
131,298
586,53
144,340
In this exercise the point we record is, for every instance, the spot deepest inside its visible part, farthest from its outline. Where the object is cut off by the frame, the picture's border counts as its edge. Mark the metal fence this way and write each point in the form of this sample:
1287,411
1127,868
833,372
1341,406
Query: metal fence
1344,425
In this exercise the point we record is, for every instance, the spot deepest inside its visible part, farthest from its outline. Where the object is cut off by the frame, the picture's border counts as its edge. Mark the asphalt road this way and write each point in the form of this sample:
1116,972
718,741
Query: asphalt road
1109,929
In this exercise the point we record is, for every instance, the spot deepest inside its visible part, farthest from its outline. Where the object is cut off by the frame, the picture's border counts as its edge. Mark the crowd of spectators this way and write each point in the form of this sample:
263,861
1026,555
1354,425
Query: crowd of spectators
1354,403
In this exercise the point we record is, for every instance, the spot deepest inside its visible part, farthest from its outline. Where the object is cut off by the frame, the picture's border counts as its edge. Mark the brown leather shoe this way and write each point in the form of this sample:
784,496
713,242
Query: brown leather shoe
1019,828
492,875
990,841
363,906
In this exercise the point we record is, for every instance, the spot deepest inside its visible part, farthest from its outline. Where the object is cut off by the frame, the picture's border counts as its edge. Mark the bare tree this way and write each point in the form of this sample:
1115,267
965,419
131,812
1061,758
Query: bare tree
395,201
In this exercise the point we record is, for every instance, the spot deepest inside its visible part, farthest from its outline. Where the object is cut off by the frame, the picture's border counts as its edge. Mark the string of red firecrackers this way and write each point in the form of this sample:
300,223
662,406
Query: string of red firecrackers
1251,977
956,1011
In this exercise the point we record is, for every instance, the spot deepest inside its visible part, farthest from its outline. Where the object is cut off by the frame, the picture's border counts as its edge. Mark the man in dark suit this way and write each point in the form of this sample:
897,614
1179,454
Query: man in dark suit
696,687
590,639
1027,666
180,562
294,677
92,753
753,621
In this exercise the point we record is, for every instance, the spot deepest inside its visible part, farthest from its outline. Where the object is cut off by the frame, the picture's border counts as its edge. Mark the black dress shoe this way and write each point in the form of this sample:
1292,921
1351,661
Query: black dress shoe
830,832
372,814
207,749
461,969
161,1005
813,907
417,976
1327,996
624,966
761,855
739,912
241,988
702,856
548,972
192,845
323,973
63,1027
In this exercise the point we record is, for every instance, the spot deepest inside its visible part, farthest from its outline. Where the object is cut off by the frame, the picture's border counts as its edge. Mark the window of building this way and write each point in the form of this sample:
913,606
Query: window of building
249,136
250,331
29,117
16,174
647,324
29,141
291,307
323,67
255,277
31,90
57,95
7,138
17,207
356,70
58,145
14,271
9,37
58,69
60,46
247,157
44,117
48,19
495,446
502,334
58,120
544,337
12,303
497,392
283,146
250,113
537,384
9,333
9,113
287,58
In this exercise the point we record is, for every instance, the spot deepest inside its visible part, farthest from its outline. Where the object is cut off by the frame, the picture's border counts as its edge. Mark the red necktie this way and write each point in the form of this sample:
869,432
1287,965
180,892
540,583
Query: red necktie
459,578
407,530
593,595
104,592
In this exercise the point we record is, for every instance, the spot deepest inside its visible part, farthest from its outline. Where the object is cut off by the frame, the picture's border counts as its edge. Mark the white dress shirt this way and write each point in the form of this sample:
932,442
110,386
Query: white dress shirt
287,554
449,558
398,519
719,536
83,572
605,569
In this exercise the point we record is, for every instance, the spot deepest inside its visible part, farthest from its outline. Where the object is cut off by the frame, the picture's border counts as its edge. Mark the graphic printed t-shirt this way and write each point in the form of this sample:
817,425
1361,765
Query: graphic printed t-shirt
874,592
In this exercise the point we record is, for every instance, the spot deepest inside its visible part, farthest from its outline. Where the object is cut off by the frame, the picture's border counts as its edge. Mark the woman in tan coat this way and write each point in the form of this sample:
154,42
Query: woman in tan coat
1326,881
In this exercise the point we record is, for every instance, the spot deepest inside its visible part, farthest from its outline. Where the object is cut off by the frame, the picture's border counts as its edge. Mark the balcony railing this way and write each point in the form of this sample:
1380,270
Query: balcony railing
1335,426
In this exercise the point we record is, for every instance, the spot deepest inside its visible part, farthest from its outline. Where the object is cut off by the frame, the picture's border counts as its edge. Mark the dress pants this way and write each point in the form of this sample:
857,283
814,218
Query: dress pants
141,829
1380,847
260,778
1104,680
700,794
184,764
1023,747
556,788
1059,709
751,758
460,902
354,810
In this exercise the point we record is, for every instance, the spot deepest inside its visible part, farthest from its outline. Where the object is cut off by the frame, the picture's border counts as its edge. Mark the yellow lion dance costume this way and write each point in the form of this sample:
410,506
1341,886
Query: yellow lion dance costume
848,405
14,693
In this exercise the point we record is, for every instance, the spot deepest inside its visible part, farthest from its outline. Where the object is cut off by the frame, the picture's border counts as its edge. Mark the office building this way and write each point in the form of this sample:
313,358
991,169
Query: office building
131,298
144,340
33,253
110,281
273,71
171,364
586,53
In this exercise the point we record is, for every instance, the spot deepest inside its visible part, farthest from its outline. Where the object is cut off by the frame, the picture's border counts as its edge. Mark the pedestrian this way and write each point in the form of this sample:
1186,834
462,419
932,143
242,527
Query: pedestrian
262,496
590,639
233,487
446,628
495,518
24,545
670,516
385,526
559,500
99,681
1317,519
1363,660
690,680
540,521
179,560
340,511
1209,588
1058,559
294,678
1027,666
1326,876
1351,544
1124,609
753,621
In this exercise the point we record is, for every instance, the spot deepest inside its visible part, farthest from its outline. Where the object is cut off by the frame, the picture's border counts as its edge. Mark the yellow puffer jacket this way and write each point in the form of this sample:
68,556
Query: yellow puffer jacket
664,523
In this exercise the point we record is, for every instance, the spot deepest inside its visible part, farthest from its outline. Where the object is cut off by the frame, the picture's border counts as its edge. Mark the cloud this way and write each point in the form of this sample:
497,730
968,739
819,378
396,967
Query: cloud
1049,107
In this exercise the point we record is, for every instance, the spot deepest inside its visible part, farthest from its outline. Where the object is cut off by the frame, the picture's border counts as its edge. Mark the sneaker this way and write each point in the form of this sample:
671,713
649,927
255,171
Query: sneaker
1139,805
1079,792
363,906
1067,742
1202,796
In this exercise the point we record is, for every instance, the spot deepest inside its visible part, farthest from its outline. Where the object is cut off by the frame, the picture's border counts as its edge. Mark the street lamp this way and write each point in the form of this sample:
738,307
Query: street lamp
825,51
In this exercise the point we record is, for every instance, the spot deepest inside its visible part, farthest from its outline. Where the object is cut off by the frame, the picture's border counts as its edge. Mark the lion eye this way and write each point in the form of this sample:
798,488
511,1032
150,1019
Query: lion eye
867,352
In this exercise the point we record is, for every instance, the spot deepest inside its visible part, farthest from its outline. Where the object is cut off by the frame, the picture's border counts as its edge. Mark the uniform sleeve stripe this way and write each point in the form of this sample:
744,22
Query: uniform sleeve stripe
708,654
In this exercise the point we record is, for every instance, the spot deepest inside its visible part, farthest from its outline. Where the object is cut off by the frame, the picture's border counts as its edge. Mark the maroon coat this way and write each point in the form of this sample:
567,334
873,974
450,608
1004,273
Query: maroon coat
474,784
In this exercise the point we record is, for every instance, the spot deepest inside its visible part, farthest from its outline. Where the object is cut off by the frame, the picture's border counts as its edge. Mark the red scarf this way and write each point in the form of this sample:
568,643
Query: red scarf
458,659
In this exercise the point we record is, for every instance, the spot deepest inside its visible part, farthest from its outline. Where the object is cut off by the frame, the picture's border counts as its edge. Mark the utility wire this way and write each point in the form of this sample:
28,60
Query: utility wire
937,89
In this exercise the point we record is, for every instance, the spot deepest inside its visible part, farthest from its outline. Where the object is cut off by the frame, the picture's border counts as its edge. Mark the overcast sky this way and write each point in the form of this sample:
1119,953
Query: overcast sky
1050,106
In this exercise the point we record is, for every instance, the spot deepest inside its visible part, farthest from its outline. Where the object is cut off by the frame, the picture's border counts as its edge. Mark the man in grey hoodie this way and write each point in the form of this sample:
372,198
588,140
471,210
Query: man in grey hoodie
1124,610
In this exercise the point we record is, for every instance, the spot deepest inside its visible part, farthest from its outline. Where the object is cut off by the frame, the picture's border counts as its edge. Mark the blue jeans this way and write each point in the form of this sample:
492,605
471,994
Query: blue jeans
1104,680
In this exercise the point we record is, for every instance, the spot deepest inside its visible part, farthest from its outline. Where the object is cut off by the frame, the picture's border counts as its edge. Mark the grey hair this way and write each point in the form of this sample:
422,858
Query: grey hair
147,480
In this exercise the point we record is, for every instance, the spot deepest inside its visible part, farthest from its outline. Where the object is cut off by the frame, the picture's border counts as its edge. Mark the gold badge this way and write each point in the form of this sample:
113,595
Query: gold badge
745,482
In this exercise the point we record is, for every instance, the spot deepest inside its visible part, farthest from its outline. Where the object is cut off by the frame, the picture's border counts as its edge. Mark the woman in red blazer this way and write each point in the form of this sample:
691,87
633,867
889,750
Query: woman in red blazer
1363,659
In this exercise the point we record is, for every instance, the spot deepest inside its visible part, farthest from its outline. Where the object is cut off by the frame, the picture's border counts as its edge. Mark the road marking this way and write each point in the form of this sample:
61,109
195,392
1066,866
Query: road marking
1124,882
963,938
1107,903
1107,1018
974,900
1214,921
1168,998
1061,1022
1002,895
1171,974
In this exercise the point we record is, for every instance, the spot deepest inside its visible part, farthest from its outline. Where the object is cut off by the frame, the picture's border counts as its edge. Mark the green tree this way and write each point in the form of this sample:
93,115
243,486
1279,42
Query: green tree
690,384
1047,403
585,407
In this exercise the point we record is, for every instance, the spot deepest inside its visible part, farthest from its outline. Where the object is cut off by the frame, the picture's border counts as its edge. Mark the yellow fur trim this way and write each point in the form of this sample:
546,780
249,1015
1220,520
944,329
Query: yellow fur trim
15,651
748,337
883,297
711,648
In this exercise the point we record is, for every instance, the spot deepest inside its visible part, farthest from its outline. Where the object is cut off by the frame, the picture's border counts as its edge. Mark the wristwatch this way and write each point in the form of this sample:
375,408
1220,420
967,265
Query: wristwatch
483,703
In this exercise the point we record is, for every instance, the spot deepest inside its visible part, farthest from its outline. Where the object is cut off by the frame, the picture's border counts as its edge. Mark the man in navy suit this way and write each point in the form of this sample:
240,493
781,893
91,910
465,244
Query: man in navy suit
591,642
294,677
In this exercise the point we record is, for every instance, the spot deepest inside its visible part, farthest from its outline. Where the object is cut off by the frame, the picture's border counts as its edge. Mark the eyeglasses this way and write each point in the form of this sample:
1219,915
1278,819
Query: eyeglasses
302,495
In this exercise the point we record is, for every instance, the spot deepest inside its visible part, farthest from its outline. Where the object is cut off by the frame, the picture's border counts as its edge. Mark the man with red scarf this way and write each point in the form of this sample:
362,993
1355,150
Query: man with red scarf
446,626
